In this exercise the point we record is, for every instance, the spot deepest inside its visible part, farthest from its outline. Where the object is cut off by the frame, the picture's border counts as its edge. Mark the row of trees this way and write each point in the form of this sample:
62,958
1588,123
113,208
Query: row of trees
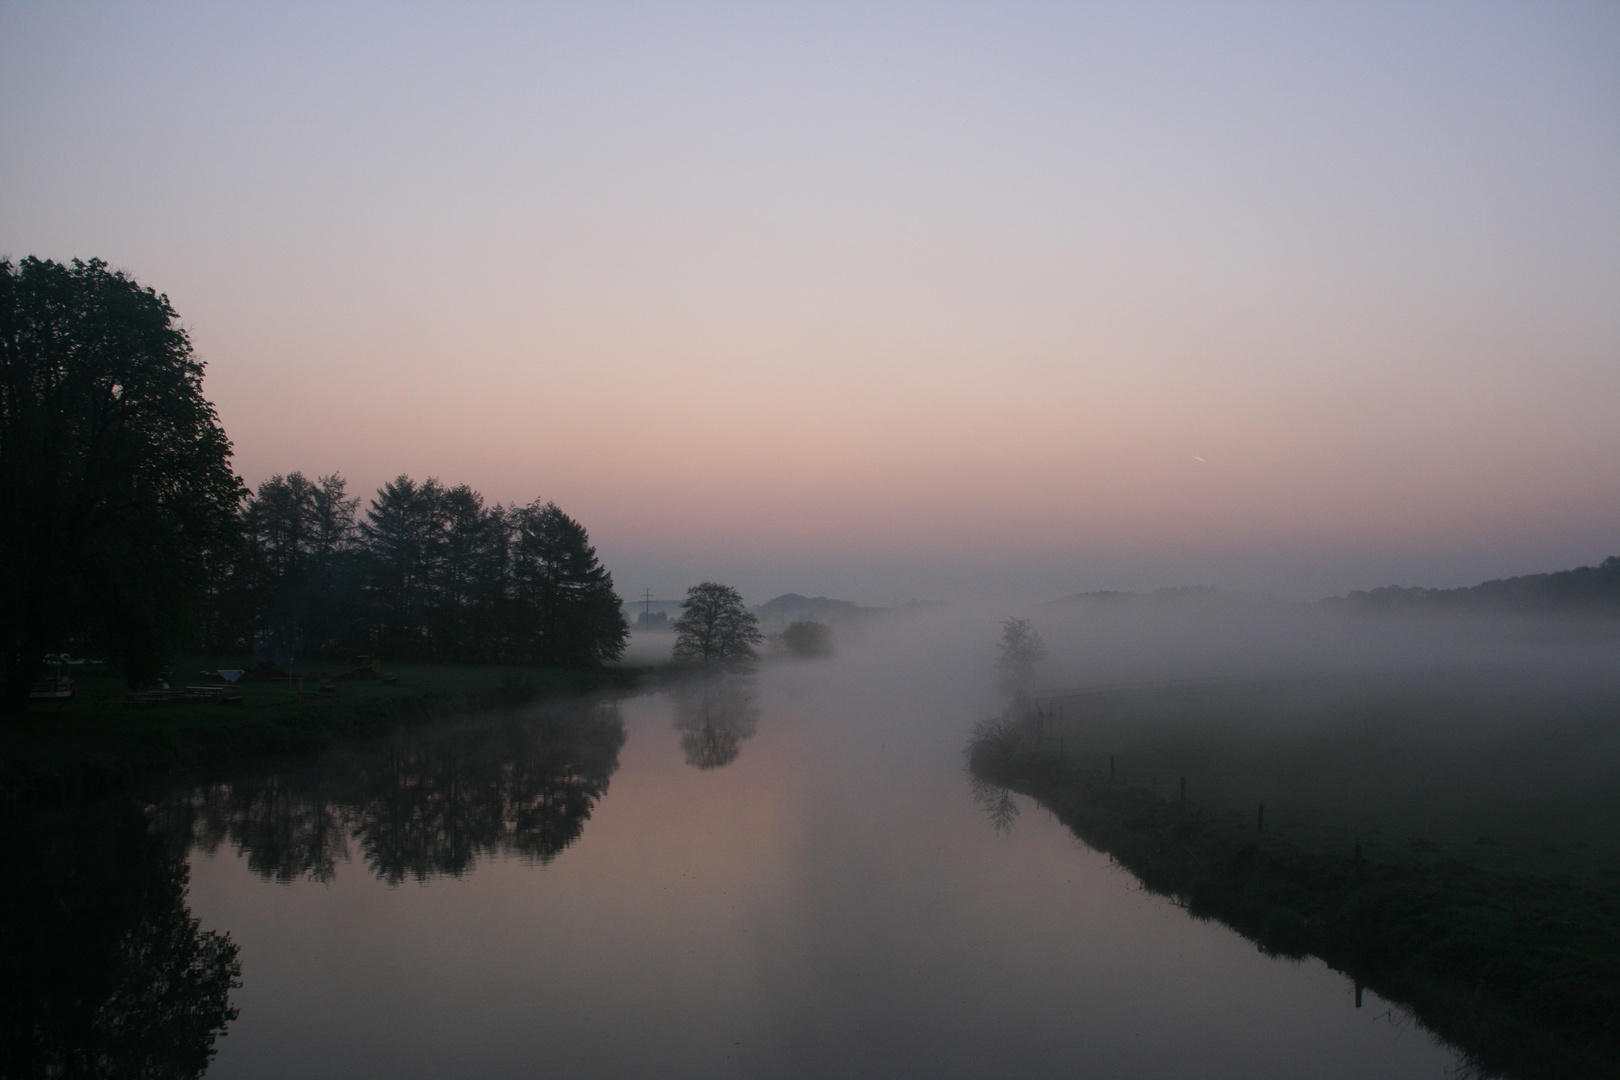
426,573
125,533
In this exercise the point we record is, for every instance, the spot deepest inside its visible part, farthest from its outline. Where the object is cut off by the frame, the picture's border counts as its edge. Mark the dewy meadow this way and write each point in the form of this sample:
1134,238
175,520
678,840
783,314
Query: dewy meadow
989,541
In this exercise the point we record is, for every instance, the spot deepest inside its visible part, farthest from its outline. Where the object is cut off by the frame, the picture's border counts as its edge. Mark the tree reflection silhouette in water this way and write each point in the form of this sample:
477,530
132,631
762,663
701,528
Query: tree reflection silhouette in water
996,802
714,716
103,971
417,807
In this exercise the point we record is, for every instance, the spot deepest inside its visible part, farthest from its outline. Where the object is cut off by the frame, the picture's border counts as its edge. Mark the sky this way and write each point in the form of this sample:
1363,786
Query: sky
883,301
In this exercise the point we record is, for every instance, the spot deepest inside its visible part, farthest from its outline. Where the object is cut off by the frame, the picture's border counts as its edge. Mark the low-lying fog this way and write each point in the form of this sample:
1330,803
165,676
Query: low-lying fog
1461,727
1119,641
788,873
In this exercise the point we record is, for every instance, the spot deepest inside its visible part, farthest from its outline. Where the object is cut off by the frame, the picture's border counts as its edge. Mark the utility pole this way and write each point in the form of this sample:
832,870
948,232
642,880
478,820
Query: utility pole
646,616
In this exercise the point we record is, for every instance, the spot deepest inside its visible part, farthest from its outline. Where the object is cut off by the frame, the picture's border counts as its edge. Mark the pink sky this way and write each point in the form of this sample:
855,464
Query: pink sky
881,303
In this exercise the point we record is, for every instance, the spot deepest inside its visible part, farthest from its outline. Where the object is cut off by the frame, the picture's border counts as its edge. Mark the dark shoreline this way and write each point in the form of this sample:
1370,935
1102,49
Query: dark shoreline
100,744
1519,970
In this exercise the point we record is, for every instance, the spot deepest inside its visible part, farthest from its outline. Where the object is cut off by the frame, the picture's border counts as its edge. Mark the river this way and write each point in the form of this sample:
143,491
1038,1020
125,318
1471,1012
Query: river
787,877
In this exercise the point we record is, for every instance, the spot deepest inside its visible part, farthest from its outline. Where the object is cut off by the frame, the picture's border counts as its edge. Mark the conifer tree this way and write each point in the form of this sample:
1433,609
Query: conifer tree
567,610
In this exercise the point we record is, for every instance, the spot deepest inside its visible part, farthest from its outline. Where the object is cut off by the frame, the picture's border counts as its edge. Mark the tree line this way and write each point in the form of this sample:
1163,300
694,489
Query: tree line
427,573
1583,590
126,534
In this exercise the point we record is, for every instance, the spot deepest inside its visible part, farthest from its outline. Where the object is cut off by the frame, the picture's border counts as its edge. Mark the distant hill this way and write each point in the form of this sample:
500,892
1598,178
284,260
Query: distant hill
1099,597
1584,589
791,607
1178,595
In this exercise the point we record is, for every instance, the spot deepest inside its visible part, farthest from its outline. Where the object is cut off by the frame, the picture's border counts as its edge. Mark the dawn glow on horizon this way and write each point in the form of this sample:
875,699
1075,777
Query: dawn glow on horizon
883,302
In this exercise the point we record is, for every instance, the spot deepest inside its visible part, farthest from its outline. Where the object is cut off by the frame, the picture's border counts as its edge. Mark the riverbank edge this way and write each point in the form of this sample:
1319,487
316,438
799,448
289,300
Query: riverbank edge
1378,924
44,759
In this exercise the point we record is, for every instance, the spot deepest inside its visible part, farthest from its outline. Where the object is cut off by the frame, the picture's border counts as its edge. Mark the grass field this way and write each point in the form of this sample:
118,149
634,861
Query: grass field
1450,839
101,736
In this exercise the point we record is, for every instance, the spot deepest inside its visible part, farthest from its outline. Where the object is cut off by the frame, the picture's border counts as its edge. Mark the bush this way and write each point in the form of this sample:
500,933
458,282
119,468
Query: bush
808,639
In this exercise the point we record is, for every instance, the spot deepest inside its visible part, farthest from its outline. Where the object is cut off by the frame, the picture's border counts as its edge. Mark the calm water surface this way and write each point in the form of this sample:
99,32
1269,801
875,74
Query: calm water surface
785,878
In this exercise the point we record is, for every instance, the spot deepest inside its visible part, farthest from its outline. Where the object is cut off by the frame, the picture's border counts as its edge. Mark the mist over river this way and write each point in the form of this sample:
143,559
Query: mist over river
788,877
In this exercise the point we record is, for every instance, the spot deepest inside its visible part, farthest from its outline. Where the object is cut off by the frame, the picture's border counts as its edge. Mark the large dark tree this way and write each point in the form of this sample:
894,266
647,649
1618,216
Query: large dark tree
715,629
471,575
570,614
116,491
405,540
291,587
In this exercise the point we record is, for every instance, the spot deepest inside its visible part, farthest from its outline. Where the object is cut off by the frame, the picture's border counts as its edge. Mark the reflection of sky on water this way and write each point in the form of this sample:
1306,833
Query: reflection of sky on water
833,901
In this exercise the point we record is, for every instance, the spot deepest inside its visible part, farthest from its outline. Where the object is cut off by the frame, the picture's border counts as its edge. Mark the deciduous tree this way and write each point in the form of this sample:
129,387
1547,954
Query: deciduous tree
117,499
715,629
1021,648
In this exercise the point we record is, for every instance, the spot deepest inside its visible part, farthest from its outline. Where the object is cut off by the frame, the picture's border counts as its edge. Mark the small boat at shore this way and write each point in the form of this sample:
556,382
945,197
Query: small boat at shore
58,684
49,689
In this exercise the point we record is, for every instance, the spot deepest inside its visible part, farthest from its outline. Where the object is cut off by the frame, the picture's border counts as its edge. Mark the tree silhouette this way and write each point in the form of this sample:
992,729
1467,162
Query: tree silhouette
420,806
403,532
1020,649
287,830
103,971
432,574
570,614
291,587
996,802
714,716
115,479
808,639
715,629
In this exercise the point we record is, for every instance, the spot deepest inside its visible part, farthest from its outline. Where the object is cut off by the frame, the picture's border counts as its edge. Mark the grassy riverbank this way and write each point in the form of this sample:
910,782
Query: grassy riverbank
1453,844
102,736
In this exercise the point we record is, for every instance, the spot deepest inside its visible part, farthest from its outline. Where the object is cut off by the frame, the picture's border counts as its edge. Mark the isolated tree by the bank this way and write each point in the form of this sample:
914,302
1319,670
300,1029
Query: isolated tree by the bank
117,499
1020,649
715,629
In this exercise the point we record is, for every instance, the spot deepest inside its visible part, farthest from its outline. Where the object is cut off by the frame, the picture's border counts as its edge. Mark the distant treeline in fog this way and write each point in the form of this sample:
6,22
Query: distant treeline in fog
1586,588
427,574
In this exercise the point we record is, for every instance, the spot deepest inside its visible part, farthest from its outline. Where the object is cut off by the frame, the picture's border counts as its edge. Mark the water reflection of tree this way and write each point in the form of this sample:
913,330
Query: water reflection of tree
714,716
995,739
418,807
289,829
103,971
997,804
